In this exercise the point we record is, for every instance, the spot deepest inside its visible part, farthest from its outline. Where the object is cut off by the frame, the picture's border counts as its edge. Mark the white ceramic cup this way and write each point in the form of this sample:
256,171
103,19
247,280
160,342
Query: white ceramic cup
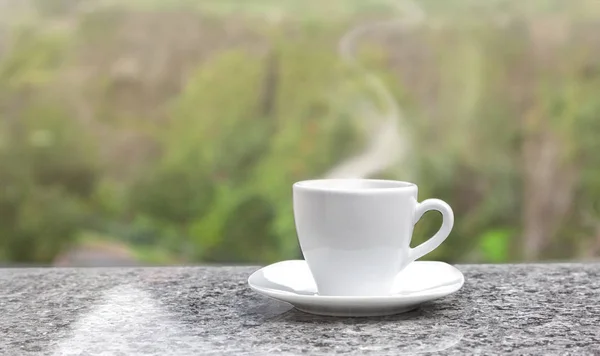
355,233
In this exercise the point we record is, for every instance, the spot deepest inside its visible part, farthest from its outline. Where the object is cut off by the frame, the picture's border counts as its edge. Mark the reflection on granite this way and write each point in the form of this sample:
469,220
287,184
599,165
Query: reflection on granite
520,309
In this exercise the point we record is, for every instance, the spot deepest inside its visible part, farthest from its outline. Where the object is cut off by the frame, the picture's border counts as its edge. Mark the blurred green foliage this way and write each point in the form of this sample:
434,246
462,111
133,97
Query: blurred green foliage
179,132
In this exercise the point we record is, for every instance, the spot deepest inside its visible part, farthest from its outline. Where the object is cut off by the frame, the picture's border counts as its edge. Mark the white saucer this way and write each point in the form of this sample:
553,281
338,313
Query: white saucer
419,282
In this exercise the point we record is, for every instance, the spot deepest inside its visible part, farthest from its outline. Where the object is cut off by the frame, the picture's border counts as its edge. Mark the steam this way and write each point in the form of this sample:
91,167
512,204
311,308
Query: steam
389,143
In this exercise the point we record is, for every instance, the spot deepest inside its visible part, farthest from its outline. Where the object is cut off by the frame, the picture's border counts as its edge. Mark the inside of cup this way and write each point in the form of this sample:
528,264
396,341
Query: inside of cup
353,184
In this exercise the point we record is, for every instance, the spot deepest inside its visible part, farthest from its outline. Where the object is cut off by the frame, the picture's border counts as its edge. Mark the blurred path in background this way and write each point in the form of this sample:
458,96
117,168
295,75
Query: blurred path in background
389,144
97,254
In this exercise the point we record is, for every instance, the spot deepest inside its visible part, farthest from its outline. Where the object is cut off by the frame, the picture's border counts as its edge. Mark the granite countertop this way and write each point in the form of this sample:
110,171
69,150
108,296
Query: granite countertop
521,309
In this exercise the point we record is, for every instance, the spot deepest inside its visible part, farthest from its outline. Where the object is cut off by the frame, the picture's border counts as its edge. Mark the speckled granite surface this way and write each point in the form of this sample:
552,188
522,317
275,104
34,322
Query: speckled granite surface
518,309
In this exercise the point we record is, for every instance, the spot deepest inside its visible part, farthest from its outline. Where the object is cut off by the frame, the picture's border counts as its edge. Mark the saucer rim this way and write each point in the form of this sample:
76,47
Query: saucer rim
432,293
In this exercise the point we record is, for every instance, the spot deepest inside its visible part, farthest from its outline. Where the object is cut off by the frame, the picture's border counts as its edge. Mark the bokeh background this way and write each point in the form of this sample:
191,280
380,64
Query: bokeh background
170,132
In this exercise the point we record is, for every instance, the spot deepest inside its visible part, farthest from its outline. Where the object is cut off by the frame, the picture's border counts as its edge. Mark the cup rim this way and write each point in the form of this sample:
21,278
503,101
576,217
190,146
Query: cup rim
380,185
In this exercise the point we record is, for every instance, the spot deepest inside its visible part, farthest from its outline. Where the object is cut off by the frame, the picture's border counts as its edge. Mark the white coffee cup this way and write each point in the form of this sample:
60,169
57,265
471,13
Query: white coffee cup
355,233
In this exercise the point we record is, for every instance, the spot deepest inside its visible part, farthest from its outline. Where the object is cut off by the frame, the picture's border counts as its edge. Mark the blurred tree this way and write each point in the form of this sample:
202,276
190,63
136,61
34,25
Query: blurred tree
47,169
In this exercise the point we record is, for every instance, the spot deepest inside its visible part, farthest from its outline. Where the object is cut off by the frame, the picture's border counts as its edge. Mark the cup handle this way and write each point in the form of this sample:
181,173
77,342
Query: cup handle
443,232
